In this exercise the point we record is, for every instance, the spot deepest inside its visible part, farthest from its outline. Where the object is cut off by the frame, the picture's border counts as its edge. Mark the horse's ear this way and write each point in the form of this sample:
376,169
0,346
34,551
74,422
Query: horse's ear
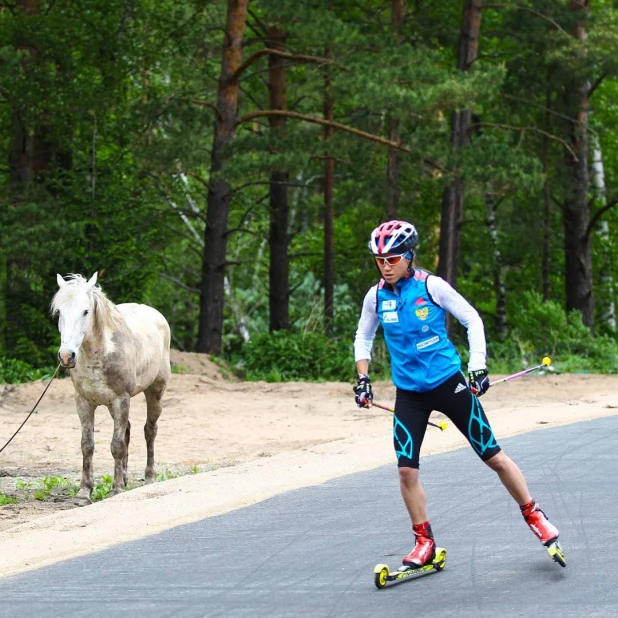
60,280
93,280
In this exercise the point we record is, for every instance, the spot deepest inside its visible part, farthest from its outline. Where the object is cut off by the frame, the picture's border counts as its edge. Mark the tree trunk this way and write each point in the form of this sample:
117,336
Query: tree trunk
576,212
545,269
607,287
499,286
578,260
29,154
392,170
4,267
278,272
329,210
453,196
33,150
210,328
393,162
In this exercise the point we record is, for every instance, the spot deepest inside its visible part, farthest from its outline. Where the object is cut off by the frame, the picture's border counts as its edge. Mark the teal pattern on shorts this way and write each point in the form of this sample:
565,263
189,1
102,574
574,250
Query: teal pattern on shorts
403,440
479,432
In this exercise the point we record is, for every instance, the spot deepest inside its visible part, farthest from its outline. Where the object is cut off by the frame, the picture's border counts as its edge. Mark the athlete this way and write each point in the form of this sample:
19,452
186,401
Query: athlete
411,306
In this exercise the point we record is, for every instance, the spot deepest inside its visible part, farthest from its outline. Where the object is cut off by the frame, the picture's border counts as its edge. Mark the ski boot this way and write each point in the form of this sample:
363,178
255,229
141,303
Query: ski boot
425,548
544,530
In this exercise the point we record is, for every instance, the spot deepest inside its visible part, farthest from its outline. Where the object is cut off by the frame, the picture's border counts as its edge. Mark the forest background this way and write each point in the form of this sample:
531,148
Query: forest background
225,162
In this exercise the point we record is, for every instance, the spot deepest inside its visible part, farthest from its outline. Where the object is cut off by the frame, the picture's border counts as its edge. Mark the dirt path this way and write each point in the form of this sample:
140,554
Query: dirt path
249,441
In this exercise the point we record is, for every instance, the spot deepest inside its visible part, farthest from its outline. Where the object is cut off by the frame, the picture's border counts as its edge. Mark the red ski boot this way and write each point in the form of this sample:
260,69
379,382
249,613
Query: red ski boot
425,549
545,531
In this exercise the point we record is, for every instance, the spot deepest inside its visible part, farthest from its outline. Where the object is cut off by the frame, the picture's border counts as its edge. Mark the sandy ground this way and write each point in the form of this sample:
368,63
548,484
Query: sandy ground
249,441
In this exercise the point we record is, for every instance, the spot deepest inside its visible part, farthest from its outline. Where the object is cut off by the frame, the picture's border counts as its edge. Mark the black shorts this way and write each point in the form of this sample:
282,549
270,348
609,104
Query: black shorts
453,398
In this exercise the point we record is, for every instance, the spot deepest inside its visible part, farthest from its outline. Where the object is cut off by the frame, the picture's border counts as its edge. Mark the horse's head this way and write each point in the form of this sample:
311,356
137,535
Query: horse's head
73,302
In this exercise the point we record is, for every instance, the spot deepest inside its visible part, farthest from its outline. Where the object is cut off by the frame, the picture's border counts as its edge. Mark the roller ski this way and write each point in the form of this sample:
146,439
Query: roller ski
424,558
544,530
383,575
556,553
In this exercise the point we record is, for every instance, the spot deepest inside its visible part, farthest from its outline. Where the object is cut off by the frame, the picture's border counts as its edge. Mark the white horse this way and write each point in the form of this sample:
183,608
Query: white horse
114,352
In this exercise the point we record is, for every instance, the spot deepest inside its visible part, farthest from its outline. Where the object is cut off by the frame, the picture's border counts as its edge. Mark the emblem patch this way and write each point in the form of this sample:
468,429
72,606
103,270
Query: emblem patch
422,313
389,305
390,317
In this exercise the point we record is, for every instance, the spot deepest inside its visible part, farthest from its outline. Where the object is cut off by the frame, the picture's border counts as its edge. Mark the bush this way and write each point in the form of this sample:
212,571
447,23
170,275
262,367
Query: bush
14,371
542,328
283,356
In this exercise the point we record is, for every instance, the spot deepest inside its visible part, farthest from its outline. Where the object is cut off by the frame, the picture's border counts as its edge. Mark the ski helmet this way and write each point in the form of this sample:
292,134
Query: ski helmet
392,236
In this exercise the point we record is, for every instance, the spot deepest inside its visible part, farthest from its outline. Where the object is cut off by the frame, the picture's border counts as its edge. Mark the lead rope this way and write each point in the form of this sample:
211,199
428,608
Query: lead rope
31,411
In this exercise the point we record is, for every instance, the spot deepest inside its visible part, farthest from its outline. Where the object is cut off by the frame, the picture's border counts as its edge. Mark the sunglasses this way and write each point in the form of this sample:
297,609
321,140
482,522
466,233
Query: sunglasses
391,260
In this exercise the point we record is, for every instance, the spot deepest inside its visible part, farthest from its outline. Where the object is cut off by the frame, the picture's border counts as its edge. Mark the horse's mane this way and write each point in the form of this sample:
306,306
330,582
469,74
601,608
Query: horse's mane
104,312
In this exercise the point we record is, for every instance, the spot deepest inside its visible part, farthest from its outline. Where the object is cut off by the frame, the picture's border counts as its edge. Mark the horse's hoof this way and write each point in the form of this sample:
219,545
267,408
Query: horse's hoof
114,492
81,501
150,480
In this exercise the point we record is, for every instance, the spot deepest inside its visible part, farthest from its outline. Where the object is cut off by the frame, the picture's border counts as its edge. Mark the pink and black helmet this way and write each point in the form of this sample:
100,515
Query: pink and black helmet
393,237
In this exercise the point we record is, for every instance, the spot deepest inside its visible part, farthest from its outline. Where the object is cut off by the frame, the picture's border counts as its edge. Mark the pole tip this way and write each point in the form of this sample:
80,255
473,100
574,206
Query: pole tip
547,360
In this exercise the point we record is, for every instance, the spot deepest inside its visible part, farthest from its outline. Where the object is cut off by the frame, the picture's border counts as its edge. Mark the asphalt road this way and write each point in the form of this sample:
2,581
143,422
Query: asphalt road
311,552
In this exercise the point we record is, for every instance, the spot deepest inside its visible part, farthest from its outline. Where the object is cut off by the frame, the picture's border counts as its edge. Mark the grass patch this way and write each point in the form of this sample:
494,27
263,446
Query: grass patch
167,475
44,487
102,488
60,487
49,483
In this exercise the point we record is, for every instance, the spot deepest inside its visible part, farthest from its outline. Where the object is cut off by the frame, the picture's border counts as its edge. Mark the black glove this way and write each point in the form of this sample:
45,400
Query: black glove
362,391
479,381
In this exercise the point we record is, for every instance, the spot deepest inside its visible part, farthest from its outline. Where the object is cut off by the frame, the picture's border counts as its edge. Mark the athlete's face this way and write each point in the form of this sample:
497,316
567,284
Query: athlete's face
393,266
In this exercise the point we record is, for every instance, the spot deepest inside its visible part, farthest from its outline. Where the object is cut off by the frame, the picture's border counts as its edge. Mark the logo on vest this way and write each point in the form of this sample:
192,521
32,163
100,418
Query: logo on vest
422,313
390,316
427,342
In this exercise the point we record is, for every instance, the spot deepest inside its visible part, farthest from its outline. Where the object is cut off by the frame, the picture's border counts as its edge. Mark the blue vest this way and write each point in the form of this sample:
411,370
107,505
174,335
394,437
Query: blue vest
422,356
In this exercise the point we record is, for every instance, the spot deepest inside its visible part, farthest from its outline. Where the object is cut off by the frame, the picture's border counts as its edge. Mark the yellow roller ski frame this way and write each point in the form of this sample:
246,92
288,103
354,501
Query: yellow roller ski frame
556,553
382,575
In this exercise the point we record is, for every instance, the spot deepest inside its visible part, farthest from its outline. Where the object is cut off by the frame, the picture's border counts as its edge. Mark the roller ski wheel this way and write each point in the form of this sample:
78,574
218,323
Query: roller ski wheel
382,575
556,553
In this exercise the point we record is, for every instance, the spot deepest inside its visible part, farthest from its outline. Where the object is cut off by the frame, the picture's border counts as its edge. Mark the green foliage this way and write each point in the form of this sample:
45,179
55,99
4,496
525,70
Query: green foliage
284,356
4,500
47,484
543,329
102,488
42,488
14,371
168,474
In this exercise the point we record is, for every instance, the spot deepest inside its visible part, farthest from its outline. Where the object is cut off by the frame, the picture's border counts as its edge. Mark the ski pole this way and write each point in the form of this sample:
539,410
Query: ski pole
545,363
440,426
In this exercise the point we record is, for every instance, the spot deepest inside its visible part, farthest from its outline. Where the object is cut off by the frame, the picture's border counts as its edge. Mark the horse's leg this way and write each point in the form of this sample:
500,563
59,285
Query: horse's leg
154,394
125,463
85,411
119,410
